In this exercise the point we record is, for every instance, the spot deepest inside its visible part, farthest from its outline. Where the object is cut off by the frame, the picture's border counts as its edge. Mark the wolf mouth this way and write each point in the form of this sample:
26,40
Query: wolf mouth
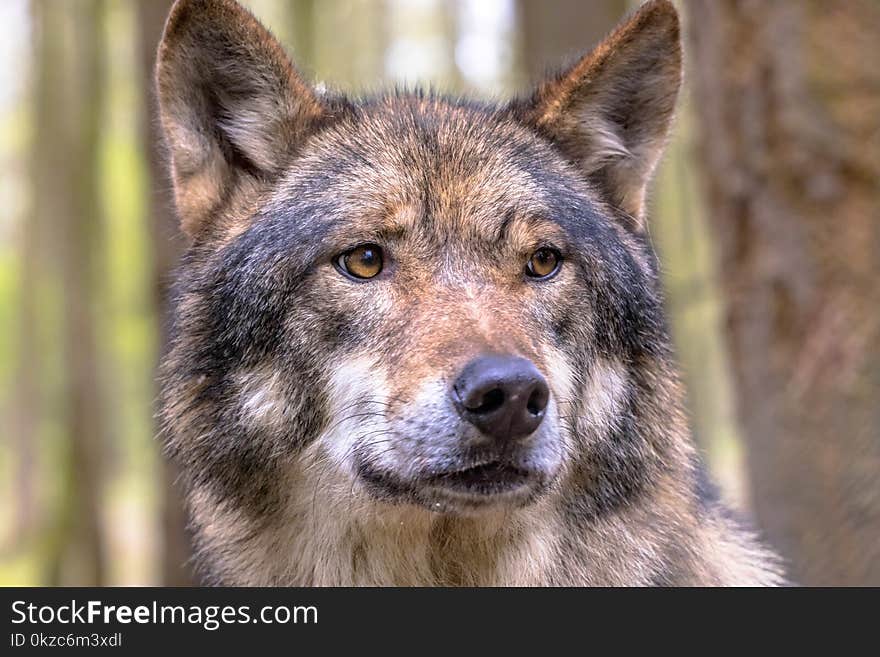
485,479
459,490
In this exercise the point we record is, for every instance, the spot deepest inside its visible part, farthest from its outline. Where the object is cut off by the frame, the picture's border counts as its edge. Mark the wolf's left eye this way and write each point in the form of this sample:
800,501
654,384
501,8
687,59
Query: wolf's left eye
362,262
543,263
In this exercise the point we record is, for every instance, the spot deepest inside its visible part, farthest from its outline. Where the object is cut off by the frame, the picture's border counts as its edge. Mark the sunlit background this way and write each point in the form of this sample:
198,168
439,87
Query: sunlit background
87,241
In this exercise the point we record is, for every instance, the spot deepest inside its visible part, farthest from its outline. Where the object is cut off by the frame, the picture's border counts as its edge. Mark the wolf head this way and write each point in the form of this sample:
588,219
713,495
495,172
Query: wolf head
411,300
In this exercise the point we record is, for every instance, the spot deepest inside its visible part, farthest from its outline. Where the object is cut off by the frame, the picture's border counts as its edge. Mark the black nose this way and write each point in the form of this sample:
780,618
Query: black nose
503,396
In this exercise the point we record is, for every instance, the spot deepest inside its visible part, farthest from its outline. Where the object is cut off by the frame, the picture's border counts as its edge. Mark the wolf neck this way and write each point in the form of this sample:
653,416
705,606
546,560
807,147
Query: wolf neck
362,542
345,540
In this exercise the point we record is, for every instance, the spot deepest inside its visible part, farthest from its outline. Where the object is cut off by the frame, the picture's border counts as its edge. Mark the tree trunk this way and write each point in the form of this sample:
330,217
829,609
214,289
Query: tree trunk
27,407
788,101
69,98
167,246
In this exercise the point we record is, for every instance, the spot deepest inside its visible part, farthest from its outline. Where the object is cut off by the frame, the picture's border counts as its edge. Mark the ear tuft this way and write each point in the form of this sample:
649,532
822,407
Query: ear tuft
611,111
232,106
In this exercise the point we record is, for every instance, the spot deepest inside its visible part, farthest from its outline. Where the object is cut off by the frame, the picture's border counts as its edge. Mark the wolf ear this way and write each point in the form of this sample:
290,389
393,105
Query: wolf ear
231,104
611,111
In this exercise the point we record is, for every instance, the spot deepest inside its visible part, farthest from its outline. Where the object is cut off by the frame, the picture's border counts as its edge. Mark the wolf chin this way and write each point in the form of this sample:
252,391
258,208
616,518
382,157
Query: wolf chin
420,340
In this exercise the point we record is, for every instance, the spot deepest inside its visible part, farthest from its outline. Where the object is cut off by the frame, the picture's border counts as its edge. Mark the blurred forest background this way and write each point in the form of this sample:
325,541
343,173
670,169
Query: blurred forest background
766,216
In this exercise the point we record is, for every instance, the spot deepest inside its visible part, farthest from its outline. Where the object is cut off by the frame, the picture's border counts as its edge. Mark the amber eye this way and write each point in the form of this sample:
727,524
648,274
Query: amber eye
543,263
364,261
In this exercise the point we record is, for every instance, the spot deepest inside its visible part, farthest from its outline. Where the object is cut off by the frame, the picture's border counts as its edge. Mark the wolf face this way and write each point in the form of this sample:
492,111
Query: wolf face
408,311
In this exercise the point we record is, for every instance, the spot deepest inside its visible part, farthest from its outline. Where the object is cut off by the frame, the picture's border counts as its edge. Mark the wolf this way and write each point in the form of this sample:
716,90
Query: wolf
420,340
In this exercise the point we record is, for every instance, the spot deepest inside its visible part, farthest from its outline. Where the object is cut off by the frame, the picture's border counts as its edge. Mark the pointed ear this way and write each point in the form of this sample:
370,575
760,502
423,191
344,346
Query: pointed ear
611,111
231,104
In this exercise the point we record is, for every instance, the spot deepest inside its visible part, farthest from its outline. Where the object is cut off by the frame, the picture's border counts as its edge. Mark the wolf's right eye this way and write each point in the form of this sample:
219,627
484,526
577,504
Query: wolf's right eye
363,262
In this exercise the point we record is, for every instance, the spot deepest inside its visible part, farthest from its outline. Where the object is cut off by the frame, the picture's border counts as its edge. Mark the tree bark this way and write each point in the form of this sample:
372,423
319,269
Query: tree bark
27,407
69,99
80,289
788,101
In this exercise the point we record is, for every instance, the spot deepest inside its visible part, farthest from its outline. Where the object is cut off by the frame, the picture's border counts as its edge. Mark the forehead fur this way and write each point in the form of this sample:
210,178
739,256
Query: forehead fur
448,168
410,141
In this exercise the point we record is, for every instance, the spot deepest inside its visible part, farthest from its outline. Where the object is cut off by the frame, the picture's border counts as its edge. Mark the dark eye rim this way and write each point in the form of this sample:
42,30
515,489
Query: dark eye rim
339,262
536,277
